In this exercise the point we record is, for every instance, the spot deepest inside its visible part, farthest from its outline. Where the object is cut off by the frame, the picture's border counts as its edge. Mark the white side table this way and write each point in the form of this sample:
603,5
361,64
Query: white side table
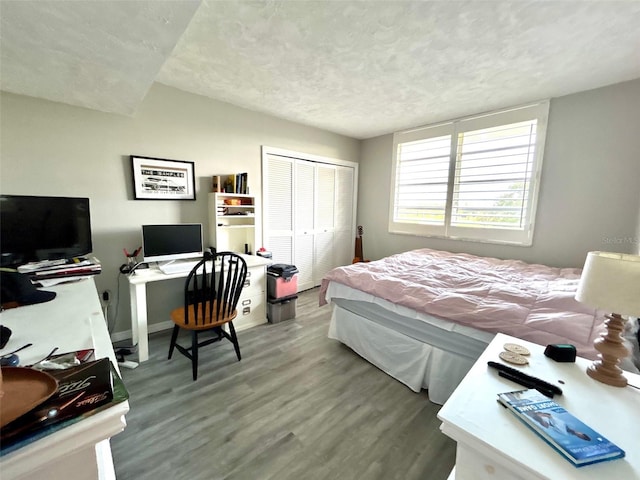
494,445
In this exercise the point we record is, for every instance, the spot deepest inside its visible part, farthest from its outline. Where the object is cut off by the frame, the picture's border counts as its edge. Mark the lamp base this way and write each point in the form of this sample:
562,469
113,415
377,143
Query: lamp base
611,350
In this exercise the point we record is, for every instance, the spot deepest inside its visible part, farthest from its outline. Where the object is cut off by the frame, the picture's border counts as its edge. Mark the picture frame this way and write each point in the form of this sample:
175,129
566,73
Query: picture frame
163,179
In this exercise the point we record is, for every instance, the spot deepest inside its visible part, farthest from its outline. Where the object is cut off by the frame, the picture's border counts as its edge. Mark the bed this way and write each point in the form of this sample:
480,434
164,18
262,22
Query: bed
425,316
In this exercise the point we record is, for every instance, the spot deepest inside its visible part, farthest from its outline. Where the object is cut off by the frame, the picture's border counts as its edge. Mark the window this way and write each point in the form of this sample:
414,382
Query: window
475,178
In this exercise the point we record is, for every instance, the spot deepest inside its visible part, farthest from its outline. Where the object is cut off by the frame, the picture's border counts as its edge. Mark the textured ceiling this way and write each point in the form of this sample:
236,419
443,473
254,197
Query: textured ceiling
360,68
103,55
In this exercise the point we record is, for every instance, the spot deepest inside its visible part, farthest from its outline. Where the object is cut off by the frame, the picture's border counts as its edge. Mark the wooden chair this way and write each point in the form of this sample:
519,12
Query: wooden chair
210,300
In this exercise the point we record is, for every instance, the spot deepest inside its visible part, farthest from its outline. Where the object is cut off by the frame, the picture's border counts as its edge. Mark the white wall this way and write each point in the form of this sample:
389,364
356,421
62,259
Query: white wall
588,195
53,149
636,239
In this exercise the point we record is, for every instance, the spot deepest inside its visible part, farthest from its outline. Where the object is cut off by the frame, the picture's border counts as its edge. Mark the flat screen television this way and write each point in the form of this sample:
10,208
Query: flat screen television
34,228
164,243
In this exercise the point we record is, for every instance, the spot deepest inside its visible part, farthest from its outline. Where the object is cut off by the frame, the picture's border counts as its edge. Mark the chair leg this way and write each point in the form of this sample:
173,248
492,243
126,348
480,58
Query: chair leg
234,340
194,354
174,337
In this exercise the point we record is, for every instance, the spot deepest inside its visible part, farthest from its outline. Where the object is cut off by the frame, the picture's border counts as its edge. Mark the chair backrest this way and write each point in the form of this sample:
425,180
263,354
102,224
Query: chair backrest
214,294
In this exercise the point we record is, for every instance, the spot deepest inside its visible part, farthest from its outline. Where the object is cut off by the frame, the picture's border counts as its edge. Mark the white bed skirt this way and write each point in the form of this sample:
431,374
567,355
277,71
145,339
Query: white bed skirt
409,361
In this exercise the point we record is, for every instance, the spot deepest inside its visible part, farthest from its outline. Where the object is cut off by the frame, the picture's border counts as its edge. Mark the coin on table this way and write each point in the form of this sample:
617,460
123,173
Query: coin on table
515,348
512,357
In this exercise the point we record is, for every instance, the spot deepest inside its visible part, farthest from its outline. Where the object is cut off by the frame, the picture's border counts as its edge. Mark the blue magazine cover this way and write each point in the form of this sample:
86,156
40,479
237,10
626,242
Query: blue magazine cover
577,442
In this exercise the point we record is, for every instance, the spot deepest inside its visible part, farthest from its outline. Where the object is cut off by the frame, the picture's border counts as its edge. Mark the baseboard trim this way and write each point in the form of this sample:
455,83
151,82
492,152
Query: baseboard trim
168,324
153,328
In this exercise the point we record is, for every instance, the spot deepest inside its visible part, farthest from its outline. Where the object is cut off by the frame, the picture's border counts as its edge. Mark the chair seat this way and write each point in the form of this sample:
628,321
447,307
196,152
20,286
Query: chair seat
177,315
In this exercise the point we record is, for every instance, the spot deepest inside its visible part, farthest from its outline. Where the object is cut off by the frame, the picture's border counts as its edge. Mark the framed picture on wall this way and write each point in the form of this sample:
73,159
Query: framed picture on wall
162,179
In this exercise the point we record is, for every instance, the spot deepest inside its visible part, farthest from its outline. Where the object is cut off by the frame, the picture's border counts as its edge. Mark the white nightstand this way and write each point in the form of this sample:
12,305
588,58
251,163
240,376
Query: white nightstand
494,445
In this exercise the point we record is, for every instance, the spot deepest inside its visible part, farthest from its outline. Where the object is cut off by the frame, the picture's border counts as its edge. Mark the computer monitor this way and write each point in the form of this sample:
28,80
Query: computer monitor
163,243
34,228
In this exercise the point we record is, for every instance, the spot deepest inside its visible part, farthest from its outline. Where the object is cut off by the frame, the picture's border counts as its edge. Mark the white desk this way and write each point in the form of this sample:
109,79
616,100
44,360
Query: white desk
72,321
254,293
493,444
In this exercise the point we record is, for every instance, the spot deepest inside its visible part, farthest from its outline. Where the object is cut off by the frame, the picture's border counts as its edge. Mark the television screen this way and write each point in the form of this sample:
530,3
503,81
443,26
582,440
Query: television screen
34,228
172,242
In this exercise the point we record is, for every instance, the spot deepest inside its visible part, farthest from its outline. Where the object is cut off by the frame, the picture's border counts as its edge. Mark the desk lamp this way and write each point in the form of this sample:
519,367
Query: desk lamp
611,282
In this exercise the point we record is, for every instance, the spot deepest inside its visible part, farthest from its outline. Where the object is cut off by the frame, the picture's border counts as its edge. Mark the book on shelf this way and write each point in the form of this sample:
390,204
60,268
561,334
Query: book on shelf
83,390
577,442
230,184
244,187
216,184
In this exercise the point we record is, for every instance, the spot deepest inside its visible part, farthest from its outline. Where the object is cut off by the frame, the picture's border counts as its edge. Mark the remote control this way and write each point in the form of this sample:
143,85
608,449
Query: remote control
526,383
517,374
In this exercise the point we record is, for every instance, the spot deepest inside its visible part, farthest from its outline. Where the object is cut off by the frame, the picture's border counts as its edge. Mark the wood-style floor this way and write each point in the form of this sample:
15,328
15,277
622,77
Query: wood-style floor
298,406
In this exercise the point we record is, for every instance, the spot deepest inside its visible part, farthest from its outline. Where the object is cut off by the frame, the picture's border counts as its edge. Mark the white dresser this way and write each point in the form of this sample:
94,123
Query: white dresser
72,321
494,445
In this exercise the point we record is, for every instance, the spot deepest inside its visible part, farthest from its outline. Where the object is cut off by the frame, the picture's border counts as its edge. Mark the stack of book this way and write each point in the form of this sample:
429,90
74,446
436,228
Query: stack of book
238,183
66,268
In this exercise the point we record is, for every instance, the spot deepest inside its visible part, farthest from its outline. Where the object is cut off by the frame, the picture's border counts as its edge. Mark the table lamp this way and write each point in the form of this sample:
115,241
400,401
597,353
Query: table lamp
611,282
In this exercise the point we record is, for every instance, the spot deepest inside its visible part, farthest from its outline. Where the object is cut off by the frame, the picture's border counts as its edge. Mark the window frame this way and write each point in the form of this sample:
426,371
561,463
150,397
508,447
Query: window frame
519,237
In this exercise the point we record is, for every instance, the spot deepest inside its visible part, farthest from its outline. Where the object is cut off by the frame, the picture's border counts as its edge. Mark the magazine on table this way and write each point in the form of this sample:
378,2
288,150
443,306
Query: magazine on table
576,441
83,390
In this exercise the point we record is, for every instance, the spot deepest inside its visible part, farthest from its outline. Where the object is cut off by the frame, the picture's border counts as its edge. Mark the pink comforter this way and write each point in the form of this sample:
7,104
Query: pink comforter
528,301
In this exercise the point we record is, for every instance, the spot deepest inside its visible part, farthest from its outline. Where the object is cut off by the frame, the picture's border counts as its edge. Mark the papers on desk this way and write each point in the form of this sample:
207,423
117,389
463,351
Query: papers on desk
58,269
57,281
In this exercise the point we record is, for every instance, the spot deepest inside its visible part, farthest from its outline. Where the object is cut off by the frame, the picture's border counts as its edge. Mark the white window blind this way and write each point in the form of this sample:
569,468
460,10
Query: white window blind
423,176
476,178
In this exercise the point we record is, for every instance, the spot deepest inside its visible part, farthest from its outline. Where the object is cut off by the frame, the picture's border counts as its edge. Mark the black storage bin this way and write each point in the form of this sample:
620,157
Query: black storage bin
282,270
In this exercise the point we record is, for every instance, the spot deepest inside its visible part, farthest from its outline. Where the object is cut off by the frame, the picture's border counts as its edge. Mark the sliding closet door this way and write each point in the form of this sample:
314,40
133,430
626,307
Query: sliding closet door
278,206
343,236
304,208
324,221
309,214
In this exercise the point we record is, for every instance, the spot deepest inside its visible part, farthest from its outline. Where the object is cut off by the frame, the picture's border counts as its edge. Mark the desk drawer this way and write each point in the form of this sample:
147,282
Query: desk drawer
254,284
251,311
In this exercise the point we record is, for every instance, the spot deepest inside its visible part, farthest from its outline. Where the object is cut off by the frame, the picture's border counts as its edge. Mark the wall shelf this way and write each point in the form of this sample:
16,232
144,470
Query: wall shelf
232,219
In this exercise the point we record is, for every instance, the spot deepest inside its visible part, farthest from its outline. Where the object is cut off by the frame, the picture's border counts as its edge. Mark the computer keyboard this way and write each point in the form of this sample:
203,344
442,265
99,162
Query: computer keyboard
178,266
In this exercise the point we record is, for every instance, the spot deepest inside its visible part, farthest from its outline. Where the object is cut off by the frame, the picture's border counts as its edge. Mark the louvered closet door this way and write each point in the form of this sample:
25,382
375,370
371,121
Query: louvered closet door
279,208
308,214
343,245
324,221
304,188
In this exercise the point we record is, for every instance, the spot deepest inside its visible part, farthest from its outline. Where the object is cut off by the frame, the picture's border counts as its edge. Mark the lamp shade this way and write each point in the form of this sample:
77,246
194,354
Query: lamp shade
611,282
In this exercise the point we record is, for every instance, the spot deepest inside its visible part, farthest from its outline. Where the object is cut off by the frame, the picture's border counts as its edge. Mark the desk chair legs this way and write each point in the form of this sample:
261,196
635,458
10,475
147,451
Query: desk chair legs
192,352
174,337
234,340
